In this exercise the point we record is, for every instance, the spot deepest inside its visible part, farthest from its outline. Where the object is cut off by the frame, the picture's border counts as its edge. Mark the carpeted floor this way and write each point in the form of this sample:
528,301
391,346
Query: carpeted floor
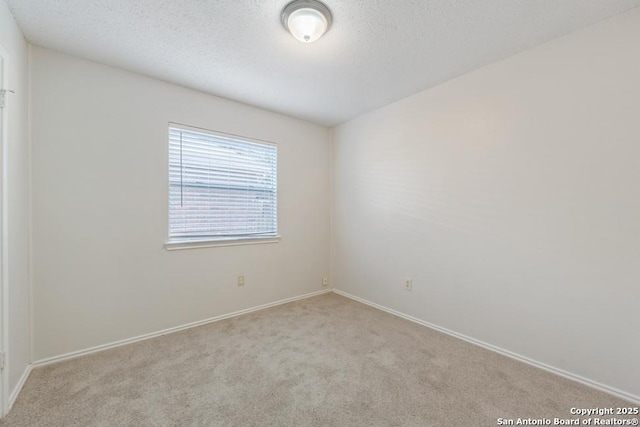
323,361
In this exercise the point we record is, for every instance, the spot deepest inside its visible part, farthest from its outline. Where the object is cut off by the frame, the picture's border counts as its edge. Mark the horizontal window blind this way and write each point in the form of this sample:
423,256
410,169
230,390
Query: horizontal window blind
220,186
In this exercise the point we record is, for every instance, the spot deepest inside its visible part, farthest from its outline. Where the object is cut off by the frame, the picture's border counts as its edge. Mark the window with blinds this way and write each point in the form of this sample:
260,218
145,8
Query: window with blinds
221,187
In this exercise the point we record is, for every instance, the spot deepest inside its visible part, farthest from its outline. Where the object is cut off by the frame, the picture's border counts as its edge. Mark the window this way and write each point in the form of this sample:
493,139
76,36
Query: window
222,188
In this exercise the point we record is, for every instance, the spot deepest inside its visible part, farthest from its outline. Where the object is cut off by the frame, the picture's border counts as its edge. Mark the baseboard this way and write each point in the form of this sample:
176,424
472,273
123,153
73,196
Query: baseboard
79,353
18,388
593,384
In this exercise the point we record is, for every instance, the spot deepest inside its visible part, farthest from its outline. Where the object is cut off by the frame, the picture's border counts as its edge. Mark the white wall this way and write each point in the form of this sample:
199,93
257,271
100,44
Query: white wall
99,144
18,200
510,196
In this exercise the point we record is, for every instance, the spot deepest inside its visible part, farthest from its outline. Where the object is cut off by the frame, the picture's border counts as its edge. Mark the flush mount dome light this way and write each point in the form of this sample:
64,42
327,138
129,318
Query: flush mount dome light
306,20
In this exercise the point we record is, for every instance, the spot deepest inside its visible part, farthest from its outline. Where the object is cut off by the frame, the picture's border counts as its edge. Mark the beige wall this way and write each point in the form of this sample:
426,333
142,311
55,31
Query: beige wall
510,196
16,185
99,139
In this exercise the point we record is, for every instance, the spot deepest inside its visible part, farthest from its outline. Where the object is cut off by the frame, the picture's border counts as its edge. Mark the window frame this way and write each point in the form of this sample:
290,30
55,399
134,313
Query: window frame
212,241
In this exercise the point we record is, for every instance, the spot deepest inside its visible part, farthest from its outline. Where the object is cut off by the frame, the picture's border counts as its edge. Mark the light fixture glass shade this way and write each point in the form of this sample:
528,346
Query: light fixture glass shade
307,25
306,20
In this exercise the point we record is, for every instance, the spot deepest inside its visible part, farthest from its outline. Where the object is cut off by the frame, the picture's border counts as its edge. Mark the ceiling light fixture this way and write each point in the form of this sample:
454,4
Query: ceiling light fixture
306,20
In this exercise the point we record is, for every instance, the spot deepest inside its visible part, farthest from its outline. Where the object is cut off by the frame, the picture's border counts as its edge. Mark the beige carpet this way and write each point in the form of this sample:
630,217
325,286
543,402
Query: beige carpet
324,361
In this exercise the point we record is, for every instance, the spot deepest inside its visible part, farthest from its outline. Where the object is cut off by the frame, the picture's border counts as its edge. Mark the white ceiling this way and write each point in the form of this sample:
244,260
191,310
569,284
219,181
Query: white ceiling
378,51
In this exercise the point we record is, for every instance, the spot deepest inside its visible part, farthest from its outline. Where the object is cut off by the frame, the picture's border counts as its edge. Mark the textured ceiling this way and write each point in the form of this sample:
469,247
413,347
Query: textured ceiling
378,51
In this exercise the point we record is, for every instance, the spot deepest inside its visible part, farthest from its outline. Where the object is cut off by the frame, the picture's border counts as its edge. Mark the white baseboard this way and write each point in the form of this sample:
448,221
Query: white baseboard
604,388
593,384
74,354
18,388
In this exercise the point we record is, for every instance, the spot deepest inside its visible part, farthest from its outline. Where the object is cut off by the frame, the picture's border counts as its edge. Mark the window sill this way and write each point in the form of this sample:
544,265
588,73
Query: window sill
198,244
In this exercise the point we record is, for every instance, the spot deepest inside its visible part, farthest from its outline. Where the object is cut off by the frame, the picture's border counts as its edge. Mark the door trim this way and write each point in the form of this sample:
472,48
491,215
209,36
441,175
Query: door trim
4,273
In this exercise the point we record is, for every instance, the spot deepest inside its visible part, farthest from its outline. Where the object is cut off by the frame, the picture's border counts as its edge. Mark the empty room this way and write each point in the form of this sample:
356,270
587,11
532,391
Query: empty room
319,213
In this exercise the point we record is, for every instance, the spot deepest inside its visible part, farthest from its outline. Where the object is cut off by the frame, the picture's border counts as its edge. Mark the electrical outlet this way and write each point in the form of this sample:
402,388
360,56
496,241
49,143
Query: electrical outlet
325,281
408,284
240,280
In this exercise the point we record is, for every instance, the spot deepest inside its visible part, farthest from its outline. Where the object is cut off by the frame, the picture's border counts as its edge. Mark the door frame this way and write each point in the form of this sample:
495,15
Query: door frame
4,275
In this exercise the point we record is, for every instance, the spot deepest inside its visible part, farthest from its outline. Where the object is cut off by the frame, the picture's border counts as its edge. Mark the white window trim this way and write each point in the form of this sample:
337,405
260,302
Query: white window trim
234,241
212,242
